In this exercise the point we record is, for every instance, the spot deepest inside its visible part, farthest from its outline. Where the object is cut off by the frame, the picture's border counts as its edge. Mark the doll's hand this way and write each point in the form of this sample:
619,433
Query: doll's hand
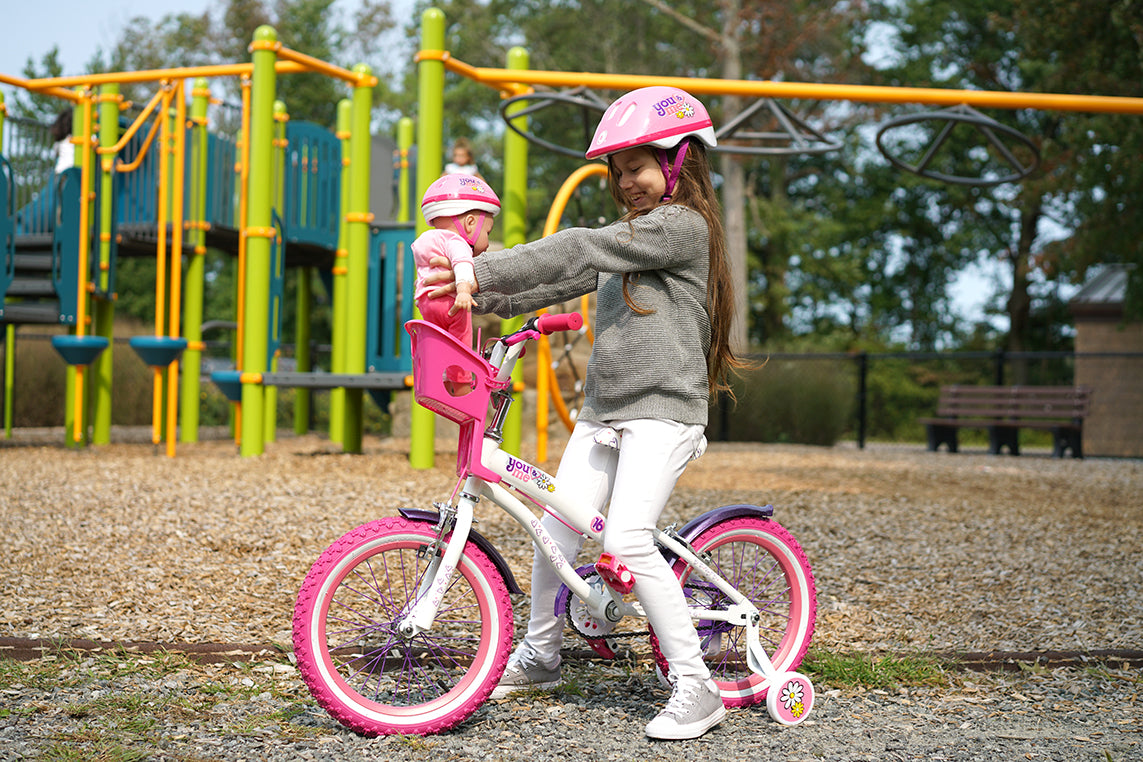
463,301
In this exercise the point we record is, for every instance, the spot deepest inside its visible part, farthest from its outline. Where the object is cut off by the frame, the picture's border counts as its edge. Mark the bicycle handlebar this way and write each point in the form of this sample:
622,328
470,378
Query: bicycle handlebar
567,321
543,325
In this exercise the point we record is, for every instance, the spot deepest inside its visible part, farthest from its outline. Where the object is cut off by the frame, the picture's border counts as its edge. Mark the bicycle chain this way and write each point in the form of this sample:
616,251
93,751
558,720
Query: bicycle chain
588,636
616,635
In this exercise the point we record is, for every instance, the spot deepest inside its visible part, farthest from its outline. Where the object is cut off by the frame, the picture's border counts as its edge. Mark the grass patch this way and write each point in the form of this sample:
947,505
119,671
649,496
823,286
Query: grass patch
866,671
121,706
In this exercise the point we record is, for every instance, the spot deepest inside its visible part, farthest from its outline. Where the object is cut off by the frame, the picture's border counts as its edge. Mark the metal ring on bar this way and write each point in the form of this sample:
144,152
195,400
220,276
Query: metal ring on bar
803,139
581,97
963,114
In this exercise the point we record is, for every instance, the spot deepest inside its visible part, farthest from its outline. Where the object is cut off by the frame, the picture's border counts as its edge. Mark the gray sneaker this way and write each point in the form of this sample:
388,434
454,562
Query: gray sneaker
694,708
525,673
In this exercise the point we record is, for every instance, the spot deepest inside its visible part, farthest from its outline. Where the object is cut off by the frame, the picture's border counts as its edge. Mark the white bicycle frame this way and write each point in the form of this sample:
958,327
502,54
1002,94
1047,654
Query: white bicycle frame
544,492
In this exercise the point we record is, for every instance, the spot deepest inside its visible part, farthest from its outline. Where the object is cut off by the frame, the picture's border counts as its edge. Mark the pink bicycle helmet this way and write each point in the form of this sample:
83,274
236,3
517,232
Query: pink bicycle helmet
456,194
660,117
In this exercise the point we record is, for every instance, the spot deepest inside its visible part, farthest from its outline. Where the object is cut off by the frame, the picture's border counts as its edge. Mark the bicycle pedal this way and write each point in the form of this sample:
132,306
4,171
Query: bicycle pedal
614,573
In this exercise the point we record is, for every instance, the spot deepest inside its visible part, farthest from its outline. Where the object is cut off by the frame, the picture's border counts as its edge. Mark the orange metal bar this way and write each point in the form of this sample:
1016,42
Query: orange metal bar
507,88
244,176
20,82
508,78
83,150
143,150
173,327
160,254
547,385
56,85
322,67
243,158
135,125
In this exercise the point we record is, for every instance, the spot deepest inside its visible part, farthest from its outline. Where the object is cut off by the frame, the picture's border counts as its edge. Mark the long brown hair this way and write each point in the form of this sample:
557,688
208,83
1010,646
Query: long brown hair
695,190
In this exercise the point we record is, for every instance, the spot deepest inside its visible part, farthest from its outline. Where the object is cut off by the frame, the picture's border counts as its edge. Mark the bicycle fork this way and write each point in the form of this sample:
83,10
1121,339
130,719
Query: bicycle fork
741,612
442,564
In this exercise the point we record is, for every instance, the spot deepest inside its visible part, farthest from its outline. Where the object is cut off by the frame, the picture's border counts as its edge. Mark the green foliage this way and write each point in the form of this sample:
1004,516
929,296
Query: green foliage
789,401
40,385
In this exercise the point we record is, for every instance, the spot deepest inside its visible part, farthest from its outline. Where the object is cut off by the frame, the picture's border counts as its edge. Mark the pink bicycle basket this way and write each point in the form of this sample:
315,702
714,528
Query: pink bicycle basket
437,355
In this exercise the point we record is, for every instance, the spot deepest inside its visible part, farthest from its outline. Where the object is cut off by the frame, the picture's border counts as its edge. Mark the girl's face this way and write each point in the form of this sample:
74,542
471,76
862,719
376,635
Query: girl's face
639,177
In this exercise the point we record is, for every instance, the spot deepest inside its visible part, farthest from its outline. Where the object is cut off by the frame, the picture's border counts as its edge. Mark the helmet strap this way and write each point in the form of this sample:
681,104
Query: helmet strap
475,234
671,171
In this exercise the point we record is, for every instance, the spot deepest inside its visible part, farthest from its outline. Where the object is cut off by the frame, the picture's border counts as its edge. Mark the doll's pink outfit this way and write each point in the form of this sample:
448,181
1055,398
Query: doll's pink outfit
450,244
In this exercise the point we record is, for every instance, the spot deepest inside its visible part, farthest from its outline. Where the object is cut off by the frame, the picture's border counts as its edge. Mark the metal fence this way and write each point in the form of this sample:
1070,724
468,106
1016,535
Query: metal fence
881,395
826,398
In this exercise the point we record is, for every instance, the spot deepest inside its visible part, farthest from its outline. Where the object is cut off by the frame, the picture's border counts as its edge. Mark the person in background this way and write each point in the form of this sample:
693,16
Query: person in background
62,146
462,162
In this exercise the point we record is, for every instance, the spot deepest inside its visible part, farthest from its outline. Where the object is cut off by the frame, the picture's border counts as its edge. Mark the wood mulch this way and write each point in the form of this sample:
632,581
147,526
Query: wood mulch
912,551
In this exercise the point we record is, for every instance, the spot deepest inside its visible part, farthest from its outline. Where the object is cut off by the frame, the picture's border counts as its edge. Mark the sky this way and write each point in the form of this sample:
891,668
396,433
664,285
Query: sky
79,28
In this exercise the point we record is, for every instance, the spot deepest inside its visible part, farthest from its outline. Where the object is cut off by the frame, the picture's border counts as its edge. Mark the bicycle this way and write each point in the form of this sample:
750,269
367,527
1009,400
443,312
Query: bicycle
404,625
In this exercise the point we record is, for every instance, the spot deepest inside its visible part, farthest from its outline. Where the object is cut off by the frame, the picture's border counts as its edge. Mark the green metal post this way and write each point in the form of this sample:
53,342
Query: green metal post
275,320
430,97
515,229
340,297
9,329
357,261
404,143
194,282
103,308
258,231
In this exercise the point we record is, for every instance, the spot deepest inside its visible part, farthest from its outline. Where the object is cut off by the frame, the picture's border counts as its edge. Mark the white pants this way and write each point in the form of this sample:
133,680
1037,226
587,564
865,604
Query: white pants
636,479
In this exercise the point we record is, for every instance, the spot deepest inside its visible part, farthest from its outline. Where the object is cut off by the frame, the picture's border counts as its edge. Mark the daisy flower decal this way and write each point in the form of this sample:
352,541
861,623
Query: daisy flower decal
792,696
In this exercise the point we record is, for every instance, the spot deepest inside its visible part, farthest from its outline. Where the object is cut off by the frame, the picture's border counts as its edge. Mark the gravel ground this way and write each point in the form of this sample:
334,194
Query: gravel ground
913,552
265,714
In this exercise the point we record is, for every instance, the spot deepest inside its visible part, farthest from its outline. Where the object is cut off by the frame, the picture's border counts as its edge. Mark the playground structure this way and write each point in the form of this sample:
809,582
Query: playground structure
260,231
281,194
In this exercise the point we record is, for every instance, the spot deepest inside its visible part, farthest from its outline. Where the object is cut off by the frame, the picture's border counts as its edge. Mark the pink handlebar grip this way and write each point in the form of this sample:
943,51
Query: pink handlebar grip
552,322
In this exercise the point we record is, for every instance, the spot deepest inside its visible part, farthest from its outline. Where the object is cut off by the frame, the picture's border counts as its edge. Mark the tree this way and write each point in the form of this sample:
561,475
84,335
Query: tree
1093,49
727,38
973,44
766,39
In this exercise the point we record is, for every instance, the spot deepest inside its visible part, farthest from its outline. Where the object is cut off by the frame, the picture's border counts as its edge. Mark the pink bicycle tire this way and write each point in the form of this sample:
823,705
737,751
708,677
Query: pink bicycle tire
355,663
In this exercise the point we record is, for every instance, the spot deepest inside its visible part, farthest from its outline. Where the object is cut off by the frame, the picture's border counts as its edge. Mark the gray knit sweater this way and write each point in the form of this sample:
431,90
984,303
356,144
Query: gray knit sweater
641,366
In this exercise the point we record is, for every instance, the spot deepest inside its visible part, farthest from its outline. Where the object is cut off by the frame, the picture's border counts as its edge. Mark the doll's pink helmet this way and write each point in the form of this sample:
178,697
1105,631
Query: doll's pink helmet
451,195
658,116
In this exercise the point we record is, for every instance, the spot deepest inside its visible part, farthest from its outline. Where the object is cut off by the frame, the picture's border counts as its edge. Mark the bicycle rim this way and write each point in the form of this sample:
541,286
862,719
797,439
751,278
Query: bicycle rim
356,664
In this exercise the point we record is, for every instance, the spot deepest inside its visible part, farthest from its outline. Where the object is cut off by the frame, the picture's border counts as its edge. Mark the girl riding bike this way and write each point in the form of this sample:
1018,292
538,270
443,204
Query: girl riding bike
664,306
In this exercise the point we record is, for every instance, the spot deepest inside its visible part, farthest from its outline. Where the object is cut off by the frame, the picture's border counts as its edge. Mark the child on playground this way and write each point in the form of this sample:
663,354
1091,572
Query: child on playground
459,210
462,162
662,321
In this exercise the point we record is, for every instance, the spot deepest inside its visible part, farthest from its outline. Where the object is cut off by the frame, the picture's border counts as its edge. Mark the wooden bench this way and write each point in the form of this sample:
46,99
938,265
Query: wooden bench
1004,410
